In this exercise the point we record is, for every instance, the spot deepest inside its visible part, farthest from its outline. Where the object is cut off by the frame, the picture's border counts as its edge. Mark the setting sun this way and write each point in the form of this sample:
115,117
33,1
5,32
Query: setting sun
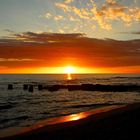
69,69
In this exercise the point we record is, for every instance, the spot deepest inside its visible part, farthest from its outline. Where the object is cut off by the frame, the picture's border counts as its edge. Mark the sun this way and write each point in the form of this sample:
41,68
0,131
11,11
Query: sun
69,69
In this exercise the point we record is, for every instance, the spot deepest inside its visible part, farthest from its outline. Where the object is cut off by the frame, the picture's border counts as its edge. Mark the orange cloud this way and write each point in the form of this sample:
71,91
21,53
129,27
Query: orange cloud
68,1
59,17
32,50
15,60
48,15
110,11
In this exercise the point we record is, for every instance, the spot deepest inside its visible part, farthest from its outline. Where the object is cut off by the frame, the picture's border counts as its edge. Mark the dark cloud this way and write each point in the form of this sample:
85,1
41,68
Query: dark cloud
46,37
134,32
9,31
49,49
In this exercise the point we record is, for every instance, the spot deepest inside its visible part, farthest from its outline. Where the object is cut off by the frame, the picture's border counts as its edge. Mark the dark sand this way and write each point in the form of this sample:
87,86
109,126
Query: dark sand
122,122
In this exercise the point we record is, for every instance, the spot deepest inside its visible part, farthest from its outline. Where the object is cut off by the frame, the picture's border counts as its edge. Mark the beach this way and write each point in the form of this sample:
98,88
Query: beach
114,122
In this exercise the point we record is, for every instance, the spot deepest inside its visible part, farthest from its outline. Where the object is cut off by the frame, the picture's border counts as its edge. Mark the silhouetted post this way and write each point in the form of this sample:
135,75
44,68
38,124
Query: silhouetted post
25,87
40,87
31,89
10,86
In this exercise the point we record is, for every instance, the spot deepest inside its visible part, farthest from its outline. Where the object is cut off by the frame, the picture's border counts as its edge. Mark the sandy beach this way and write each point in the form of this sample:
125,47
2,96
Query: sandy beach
113,122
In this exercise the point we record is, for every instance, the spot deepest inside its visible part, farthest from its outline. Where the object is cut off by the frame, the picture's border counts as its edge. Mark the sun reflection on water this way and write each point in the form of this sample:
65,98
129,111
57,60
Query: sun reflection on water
69,77
75,117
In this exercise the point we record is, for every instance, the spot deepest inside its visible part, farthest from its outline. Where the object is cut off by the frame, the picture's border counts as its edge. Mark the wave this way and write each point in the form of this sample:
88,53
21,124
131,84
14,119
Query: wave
124,77
11,121
5,107
95,87
94,105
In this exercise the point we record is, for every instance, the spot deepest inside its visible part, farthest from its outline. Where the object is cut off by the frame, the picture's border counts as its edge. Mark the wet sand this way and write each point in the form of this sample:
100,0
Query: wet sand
111,123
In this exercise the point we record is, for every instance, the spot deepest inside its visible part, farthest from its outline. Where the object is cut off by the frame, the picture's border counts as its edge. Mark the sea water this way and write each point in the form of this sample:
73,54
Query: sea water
20,108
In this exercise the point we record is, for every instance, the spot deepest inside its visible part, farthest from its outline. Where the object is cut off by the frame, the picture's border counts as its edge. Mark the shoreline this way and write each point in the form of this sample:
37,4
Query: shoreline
88,124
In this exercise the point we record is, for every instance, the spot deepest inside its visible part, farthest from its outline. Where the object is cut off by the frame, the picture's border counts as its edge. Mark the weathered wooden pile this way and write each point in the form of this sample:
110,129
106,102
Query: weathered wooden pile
83,87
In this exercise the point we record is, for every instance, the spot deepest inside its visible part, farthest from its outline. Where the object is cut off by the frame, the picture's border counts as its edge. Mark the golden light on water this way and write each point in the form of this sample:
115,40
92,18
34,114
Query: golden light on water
69,70
75,117
69,77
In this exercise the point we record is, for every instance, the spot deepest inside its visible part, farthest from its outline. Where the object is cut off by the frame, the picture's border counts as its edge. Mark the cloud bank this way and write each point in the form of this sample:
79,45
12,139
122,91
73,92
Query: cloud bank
29,49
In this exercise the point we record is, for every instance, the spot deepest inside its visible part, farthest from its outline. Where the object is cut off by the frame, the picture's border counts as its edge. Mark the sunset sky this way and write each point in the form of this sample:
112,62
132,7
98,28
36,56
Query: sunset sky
92,36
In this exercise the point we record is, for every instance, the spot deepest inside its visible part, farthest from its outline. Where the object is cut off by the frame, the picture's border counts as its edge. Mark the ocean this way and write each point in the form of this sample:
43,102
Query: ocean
21,108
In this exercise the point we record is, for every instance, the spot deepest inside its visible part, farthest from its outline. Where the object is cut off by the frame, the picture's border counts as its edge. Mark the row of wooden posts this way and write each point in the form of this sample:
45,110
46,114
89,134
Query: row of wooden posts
30,88
85,87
